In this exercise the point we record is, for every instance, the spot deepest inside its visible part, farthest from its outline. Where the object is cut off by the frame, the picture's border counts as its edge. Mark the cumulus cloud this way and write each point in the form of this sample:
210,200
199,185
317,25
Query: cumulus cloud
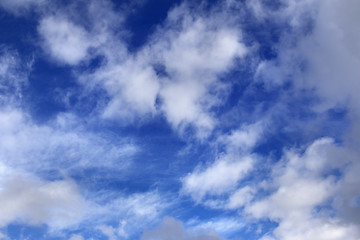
230,167
332,53
76,237
245,138
171,228
27,199
325,60
193,57
240,197
175,73
64,40
108,231
133,88
221,177
305,187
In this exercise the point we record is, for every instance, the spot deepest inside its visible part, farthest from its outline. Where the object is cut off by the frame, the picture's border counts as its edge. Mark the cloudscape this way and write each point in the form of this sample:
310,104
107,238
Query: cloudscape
180,120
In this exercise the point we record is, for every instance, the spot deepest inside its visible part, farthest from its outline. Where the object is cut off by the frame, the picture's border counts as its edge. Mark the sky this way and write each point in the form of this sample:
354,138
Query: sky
180,120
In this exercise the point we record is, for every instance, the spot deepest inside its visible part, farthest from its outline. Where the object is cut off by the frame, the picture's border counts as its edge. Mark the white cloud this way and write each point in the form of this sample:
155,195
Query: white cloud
146,205
193,56
332,53
27,199
197,48
304,182
134,212
240,197
223,226
192,50
64,40
244,138
329,52
325,60
220,177
3,236
29,146
230,167
76,237
108,231
171,228
133,88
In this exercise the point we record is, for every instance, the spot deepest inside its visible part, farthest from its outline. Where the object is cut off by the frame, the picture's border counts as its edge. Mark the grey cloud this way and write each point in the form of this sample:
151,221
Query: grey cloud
27,199
172,229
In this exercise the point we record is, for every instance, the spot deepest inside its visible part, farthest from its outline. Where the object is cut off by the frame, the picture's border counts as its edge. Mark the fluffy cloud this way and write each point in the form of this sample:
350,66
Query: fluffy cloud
64,40
224,174
305,187
133,87
173,229
13,76
27,199
245,138
108,231
192,57
332,53
68,38
326,57
76,237
174,74
240,197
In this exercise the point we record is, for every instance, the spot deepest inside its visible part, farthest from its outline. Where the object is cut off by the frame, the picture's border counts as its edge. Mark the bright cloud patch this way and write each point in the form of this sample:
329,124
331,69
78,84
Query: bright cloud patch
65,41
219,178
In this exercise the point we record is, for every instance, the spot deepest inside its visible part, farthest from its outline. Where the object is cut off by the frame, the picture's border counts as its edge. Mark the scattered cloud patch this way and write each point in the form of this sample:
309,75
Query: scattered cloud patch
76,237
171,228
221,177
65,41
27,199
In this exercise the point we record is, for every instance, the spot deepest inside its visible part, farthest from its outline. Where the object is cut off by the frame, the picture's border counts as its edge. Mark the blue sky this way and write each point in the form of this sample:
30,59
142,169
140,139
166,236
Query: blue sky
179,120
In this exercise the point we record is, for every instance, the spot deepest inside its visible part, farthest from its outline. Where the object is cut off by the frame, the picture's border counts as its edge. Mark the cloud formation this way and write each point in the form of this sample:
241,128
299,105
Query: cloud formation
171,229
27,199
236,84
65,41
